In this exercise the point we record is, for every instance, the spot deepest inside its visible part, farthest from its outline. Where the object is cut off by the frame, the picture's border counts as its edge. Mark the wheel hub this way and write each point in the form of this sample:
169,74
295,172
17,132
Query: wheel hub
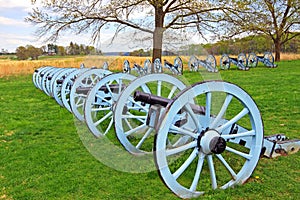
210,142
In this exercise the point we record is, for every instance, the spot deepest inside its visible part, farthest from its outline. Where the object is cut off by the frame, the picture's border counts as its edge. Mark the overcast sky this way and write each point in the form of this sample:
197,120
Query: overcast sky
15,32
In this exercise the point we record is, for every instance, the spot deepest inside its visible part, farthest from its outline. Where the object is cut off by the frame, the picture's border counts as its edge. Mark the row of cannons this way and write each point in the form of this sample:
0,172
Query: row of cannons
204,136
242,62
245,63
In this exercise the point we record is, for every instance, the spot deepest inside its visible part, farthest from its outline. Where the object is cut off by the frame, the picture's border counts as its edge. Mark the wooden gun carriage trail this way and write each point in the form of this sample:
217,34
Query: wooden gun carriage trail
205,136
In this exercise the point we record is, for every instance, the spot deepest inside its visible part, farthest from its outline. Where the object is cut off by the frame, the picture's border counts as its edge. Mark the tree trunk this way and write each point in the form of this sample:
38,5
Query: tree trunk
277,44
158,34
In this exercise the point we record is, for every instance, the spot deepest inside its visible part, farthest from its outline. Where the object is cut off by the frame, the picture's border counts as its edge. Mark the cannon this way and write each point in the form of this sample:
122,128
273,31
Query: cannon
187,133
88,79
267,59
240,62
209,63
211,129
141,71
177,68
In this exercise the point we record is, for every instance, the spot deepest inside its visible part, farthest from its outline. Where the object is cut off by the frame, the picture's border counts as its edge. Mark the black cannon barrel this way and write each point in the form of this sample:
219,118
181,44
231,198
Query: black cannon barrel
83,90
153,99
260,57
59,81
234,59
150,98
113,87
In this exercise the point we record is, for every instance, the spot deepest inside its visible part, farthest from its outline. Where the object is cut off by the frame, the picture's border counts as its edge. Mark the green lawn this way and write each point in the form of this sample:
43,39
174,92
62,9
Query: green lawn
43,157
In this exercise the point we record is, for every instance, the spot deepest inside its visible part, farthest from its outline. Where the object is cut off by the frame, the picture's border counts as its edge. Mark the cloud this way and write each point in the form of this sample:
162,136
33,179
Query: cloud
15,3
12,41
12,22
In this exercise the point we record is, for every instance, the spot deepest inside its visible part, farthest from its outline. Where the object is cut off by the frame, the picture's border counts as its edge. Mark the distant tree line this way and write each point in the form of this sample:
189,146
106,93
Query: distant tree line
33,53
140,53
257,44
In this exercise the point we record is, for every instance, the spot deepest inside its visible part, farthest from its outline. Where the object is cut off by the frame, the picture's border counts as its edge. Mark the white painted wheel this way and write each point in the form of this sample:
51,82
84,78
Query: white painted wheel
101,100
46,80
212,63
83,83
224,144
147,66
54,79
40,75
225,62
178,65
130,115
67,86
242,62
57,85
252,60
126,67
193,64
35,76
157,66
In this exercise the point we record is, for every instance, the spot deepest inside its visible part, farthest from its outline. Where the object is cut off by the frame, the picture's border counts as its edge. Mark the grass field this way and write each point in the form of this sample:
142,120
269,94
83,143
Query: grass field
42,156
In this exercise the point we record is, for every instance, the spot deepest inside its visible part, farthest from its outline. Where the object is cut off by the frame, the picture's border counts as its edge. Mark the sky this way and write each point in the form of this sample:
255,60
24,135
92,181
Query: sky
15,32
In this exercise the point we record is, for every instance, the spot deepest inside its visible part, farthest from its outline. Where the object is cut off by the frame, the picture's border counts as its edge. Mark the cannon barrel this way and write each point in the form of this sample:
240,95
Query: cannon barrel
112,87
150,98
153,99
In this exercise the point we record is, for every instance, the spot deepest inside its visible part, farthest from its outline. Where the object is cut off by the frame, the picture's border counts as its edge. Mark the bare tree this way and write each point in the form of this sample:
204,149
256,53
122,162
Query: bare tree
277,19
150,16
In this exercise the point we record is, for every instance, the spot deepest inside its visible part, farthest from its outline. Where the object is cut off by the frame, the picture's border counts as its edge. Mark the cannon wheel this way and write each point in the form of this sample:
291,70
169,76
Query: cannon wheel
214,157
40,76
67,86
56,87
87,79
55,78
99,105
270,58
252,60
242,62
193,64
46,82
157,66
147,66
130,116
179,64
35,76
211,61
126,67
225,62
105,65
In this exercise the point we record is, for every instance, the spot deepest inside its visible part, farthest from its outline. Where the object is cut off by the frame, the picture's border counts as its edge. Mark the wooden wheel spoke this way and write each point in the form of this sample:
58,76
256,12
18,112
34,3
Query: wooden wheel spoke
222,111
241,114
185,165
182,148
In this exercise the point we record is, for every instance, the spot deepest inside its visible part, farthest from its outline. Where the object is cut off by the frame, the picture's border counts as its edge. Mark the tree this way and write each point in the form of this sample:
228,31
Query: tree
22,53
94,15
52,49
61,51
34,52
277,19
